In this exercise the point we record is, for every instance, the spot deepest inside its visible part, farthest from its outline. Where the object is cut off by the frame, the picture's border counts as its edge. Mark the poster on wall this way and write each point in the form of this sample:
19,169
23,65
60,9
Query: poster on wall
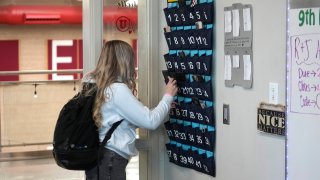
9,59
304,61
271,121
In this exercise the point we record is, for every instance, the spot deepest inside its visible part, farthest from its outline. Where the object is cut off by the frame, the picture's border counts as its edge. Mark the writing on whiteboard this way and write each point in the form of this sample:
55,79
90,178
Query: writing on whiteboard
306,51
309,17
305,73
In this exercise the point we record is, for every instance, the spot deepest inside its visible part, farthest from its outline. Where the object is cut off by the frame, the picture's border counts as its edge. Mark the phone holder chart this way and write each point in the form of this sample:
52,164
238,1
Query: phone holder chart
191,128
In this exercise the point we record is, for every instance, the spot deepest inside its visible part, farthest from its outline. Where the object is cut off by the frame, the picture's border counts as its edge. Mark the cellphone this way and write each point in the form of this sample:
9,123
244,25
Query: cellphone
179,77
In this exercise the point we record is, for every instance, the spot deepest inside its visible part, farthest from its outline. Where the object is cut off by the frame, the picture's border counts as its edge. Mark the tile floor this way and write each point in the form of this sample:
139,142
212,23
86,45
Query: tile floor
46,169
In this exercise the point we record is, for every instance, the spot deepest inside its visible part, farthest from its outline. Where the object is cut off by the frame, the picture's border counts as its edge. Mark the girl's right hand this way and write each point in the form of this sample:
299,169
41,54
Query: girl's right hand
171,87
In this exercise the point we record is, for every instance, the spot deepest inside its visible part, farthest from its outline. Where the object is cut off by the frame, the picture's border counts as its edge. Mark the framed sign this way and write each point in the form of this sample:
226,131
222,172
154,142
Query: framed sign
271,121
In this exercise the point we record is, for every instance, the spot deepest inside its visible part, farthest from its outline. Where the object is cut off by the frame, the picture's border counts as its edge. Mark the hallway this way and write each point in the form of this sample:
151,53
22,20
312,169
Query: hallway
46,169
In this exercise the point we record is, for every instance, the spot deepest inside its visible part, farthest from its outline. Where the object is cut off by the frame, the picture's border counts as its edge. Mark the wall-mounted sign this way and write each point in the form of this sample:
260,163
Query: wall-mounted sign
271,121
9,59
238,34
63,55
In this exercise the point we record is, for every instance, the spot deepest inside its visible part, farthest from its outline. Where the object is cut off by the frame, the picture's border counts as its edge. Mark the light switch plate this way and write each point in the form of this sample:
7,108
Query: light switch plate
273,93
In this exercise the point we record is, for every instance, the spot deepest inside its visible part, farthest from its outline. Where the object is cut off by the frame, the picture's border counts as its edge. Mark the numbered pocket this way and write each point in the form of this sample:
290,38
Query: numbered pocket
204,12
190,159
207,114
204,39
191,39
200,115
170,148
191,139
209,138
199,138
191,61
208,165
173,40
169,130
173,152
203,90
186,89
198,161
187,14
183,64
203,65
173,17
183,158
169,60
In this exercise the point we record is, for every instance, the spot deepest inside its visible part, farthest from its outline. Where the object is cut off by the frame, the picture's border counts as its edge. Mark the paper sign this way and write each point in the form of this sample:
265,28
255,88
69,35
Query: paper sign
235,22
235,61
247,67
246,19
227,22
227,67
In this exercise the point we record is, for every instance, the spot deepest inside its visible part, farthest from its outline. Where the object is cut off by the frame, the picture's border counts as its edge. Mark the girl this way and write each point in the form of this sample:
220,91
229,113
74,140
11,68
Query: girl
114,76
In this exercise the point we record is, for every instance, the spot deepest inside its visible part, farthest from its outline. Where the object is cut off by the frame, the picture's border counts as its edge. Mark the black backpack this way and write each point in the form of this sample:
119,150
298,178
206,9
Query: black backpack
76,143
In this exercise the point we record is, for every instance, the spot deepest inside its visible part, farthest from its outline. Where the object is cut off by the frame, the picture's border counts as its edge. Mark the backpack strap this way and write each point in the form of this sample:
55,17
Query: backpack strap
109,133
106,138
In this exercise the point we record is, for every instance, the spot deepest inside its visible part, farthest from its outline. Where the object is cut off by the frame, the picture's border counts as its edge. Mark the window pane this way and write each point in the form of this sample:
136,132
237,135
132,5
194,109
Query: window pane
36,38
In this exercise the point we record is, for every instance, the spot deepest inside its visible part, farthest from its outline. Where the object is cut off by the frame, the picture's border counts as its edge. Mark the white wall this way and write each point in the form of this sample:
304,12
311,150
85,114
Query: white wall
242,152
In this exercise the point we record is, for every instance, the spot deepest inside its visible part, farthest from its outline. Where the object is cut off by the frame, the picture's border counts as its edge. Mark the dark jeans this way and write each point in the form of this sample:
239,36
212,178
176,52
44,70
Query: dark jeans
112,167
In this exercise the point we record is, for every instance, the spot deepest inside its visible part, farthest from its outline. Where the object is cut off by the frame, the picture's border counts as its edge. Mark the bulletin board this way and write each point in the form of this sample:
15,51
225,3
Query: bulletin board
191,128
238,60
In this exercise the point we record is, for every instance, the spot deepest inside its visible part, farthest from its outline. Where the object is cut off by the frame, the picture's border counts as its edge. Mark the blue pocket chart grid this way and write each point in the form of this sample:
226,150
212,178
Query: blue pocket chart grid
191,128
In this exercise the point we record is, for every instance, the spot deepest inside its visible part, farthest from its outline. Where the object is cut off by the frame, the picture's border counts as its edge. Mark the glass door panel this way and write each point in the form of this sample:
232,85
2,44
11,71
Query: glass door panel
121,23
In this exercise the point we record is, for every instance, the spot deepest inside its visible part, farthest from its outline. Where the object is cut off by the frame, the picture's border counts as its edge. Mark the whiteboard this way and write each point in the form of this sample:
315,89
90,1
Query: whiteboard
304,61
303,113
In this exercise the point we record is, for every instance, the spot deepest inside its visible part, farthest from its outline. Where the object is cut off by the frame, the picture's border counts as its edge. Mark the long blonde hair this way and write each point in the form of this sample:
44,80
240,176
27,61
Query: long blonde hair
116,63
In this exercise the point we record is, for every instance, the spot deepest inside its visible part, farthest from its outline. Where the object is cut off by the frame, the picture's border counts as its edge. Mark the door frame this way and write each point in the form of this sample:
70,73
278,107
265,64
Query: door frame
148,65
